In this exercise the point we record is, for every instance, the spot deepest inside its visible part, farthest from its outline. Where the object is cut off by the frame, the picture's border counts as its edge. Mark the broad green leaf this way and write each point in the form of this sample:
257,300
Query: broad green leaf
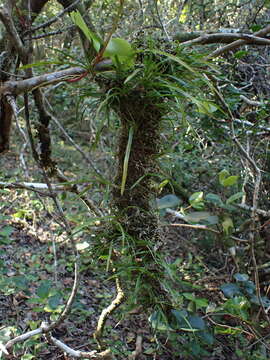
54,301
230,290
19,214
206,107
235,197
265,301
196,197
121,53
201,217
238,305
27,357
44,289
188,322
119,47
241,277
214,199
7,231
158,322
201,303
21,282
168,201
207,337
227,225
181,316
231,180
196,322
91,36
249,287
189,296
223,175
196,200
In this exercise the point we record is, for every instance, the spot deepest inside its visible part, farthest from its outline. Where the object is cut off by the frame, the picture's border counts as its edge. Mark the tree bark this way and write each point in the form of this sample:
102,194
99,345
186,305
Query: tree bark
10,57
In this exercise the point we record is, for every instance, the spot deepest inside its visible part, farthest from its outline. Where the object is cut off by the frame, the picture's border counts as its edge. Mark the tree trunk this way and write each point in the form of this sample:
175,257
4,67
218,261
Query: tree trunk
9,59
134,205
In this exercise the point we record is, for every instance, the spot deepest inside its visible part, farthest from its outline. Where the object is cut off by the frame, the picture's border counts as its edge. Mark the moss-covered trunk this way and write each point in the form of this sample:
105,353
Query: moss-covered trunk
134,205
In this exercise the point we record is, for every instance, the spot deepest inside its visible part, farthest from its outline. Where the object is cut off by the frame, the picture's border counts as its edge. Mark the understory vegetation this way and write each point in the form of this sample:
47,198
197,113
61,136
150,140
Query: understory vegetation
134,180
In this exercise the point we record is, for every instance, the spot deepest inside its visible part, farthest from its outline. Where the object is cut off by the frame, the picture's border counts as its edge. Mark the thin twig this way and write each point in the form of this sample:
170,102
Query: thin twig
255,200
55,18
12,103
196,226
22,186
77,147
66,226
51,33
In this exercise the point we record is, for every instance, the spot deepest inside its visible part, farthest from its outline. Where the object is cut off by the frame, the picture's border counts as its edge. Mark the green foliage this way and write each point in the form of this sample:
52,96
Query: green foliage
168,201
121,53
245,288
117,49
5,233
196,166
196,200
91,36
225,179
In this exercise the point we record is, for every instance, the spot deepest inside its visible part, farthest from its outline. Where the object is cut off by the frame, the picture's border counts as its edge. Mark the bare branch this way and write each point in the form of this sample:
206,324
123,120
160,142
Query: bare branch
226,38
22,86
261,212
52,33
12,32
77,147
25,336
104,355
251,102
27,186
238,43
55,18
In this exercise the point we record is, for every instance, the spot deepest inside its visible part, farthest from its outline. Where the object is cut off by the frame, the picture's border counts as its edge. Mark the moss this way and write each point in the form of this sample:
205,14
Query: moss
138,110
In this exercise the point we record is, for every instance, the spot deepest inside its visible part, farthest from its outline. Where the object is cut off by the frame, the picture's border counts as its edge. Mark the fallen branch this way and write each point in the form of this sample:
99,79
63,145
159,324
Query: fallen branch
104,355
43,329
197,226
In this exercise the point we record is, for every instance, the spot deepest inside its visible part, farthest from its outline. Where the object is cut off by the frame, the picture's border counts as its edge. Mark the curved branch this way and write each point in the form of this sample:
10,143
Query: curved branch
224,38
22,86
238,43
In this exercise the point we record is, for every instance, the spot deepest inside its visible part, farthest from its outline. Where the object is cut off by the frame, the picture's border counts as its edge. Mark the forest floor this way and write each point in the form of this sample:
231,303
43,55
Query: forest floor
33,253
